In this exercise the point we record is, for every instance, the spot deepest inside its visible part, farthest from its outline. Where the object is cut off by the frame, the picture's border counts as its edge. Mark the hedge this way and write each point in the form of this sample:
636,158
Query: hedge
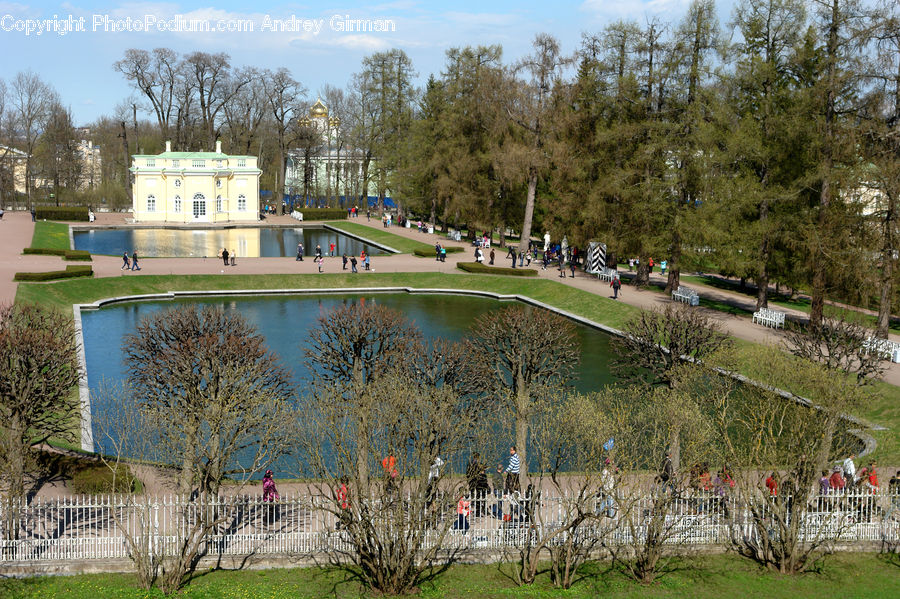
423,253
62,213
475,267
71,271
66,254
322,213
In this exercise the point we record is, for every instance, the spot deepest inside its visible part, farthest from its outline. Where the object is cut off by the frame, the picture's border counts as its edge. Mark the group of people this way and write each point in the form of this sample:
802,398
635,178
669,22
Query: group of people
346,260
225,255
130,263
636,262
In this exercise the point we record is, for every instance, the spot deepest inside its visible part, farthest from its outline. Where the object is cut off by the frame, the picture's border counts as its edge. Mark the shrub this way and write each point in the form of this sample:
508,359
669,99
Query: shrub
323,213
66,254
62,212
429,253
97,479
71,271
475,267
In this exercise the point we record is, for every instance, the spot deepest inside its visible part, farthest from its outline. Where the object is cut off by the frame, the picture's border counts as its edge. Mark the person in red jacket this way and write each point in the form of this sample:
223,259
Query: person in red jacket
836,482
772,485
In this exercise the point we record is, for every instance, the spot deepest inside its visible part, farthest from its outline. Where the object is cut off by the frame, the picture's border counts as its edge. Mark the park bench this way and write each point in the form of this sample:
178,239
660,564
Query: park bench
454,235
608,274
887,349
686,295
769,318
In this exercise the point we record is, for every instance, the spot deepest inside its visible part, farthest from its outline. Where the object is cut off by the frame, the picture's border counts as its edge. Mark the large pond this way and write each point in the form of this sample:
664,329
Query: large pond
248,242
286,320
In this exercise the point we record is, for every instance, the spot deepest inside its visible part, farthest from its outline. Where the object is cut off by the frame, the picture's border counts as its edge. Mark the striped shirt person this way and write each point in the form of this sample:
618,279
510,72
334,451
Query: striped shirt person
512,472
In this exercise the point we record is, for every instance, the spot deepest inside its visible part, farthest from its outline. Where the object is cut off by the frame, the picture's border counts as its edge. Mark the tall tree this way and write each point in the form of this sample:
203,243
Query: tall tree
31,100
156,75
531,110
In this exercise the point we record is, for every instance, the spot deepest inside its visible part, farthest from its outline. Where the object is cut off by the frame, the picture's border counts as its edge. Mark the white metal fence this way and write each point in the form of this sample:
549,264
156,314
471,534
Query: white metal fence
94,528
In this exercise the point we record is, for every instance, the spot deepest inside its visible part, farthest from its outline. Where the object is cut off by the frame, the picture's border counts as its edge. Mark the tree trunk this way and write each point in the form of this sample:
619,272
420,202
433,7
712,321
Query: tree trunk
529,209
522,438
887,271
642,276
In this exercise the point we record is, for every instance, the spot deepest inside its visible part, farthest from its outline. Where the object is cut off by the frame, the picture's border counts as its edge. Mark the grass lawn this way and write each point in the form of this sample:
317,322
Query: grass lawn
50,235
406,246
844,575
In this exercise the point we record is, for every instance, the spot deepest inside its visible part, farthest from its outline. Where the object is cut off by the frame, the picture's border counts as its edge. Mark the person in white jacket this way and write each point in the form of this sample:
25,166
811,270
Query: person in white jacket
850,470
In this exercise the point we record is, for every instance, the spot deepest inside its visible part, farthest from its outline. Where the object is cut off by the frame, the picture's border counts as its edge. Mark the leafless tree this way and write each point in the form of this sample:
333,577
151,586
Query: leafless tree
31,98
215,86
838,344
37,403
527,349
215,401
156,75
764,436
395,532
350,348
284,97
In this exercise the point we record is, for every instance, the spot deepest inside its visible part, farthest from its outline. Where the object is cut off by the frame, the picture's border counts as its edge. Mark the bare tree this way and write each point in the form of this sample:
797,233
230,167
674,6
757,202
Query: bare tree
657,341
37,403
284,96
156,75
214,399
840,344
31,99
349,350
394,532
777,449
215,86
527,349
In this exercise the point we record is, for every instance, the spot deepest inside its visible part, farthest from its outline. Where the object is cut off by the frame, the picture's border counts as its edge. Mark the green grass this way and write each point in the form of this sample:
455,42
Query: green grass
403,244
50,235
863,576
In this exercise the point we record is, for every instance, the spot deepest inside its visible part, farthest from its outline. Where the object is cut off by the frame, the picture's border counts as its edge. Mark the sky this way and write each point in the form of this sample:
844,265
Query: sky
73,45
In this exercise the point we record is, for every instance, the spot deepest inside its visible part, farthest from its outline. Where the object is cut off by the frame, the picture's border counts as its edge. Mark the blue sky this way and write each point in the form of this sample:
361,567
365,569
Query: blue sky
79,64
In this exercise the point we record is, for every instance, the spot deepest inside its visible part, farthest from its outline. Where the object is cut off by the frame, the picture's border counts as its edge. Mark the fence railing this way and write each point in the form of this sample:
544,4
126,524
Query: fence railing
97,527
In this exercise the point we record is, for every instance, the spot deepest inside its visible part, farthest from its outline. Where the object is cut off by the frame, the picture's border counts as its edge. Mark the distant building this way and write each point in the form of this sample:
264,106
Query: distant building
195,187
12,171
327,168
91,161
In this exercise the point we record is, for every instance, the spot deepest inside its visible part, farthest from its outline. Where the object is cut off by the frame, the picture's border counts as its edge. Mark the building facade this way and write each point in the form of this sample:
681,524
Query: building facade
195,187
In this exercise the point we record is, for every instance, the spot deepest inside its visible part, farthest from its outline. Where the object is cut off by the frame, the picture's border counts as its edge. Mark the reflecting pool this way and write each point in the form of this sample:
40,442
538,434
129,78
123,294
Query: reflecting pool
248,242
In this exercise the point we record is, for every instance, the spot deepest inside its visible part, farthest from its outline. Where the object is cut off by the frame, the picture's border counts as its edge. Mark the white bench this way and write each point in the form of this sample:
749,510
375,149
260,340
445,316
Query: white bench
887,349
608,274
769,318
297,215
686,295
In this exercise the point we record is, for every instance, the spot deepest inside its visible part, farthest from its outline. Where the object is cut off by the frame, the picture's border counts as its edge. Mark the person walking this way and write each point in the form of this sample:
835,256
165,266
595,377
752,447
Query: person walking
366,262
331,249
443,254
270,493
319,262
225,256
233,256
125,263
300,252
562,265
572,268
492,257
353,264
33,214
616,284
134,261
318,251
512,471
344,259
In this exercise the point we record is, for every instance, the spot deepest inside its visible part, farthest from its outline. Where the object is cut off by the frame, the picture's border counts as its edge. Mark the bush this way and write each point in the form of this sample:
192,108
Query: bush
429,253
475,267
66,254
62,212
97,479
71,271
323,213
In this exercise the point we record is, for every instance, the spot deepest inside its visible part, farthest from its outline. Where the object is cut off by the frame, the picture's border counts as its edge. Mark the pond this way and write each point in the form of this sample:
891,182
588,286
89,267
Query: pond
285,321
248,242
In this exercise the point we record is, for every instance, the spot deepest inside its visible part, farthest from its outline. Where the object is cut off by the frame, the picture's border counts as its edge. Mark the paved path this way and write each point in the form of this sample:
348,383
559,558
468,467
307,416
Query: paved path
16,231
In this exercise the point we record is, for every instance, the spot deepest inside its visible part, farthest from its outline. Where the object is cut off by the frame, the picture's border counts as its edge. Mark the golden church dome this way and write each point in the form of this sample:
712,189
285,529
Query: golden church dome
318,110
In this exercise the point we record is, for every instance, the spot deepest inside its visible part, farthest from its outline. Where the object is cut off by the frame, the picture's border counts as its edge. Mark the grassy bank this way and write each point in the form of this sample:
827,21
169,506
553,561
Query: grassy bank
844,575
382,236
50,235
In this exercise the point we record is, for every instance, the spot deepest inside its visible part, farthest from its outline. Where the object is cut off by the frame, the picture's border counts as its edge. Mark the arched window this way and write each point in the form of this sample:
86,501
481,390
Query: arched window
177,183
177,204
151,203
242,203
219,204
219,183
199,206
